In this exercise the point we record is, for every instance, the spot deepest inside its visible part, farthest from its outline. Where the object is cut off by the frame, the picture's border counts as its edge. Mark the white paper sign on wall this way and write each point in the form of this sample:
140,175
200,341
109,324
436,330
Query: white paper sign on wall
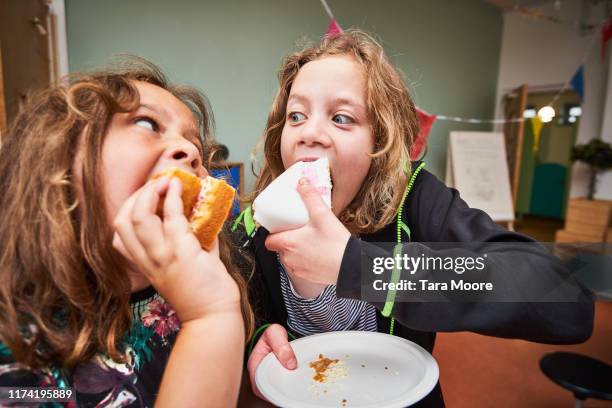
476,165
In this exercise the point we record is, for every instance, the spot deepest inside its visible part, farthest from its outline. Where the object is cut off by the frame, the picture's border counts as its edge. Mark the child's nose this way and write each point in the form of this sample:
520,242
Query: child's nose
314,132
184,154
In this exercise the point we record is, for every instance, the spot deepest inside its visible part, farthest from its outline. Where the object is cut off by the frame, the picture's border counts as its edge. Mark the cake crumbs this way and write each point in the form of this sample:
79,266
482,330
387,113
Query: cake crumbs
327,368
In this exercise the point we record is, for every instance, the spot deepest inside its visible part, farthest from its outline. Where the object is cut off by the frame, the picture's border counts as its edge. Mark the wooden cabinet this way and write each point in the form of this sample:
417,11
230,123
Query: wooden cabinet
3,123
27,59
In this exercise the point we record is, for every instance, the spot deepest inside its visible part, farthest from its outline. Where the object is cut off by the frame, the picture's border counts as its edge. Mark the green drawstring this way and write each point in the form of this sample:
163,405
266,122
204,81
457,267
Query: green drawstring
252,342
401,226
246,217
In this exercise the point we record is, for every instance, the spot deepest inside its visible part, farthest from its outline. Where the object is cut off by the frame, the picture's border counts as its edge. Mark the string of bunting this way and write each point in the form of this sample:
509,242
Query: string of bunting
538,15
526,12
576,82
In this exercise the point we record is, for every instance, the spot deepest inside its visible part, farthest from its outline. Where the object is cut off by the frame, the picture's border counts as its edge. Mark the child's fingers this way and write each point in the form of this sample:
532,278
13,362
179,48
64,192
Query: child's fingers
147,225
257,355
125,230
118,245
175,222
176,227
276,337
126,242
173,205
273,340
316,207
280,241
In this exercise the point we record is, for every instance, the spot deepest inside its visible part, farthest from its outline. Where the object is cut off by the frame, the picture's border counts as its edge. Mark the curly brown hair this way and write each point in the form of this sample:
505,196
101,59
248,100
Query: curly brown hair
64,292
392,114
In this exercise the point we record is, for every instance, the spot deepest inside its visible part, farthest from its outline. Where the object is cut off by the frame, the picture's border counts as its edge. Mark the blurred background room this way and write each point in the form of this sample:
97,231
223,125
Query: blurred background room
534,74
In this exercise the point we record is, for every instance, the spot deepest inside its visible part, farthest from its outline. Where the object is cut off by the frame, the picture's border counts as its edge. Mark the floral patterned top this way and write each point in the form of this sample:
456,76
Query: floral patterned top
101,382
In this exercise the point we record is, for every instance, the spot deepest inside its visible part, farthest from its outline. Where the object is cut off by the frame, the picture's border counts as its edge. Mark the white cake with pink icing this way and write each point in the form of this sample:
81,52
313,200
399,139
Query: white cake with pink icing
280,208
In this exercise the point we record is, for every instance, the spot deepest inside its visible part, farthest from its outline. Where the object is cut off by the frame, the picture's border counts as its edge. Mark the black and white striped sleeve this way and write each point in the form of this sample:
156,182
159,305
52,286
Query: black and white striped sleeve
326,312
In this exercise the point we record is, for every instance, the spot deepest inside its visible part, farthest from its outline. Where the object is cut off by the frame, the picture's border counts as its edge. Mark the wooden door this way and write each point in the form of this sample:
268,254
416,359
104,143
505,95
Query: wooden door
26,38
514,107
2,107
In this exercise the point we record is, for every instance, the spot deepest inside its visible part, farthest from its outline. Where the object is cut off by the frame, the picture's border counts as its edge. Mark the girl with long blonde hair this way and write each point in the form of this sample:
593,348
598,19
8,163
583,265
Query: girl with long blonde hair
344,100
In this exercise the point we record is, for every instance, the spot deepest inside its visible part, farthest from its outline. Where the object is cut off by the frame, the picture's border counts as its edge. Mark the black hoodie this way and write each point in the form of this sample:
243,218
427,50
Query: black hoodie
436,213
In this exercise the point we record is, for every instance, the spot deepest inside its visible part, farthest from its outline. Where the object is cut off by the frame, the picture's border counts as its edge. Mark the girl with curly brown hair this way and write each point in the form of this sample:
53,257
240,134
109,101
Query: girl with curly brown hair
97,291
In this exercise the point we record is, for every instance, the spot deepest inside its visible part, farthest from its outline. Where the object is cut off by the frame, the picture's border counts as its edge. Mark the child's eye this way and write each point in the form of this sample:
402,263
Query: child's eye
147,123
342,119
296,116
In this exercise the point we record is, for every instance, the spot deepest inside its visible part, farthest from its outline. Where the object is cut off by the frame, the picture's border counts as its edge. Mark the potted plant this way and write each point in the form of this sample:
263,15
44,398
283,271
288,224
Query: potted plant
588,220
598,155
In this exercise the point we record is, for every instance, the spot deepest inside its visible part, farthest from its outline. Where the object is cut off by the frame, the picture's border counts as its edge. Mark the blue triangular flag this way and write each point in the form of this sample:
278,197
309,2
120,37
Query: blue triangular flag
577,82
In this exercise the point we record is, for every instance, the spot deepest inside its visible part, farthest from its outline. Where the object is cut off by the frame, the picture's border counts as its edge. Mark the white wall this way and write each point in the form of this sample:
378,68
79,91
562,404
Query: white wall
543,53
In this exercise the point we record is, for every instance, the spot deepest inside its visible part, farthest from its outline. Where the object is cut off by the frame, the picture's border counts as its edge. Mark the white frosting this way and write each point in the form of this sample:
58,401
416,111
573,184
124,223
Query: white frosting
279,207
204,191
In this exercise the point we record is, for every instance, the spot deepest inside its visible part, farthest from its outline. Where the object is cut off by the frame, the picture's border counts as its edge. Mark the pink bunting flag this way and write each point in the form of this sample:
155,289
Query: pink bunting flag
426,122
333,29
606,34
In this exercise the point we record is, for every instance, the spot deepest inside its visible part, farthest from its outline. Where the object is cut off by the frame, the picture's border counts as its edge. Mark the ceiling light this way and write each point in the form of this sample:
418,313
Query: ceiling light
546,114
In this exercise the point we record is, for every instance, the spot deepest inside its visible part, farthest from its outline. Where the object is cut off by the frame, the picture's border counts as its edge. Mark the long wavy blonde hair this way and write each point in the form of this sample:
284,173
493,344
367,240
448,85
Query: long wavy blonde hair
392,115
58,270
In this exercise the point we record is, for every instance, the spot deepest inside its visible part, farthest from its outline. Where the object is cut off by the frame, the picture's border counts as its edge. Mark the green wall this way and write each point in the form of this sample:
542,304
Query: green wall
448,49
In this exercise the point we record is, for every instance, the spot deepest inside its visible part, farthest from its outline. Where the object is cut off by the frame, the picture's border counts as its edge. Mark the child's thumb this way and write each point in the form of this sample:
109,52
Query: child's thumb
315,205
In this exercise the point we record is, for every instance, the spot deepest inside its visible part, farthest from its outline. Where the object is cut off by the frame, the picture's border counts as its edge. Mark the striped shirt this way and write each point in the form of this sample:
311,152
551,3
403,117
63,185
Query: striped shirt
326,312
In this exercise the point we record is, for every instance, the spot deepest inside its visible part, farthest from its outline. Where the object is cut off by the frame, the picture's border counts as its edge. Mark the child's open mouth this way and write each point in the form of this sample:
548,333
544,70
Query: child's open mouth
315,158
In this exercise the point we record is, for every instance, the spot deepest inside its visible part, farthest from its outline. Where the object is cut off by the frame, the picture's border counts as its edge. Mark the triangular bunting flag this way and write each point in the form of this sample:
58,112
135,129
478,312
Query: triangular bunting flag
536,125
426,121
606,34
577,82
333,29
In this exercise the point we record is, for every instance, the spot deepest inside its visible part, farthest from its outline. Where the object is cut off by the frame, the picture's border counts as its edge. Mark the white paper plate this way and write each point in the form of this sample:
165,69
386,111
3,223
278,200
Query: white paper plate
376,371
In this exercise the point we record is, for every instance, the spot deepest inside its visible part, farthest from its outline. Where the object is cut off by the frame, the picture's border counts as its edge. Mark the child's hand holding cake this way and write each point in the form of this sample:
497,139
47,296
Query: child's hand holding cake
280,208
312,252
167,247
206,203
